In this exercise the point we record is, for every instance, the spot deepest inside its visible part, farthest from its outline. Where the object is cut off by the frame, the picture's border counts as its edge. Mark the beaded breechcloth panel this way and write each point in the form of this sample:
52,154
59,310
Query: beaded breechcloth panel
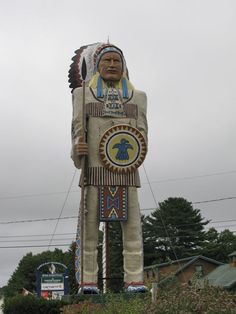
113,203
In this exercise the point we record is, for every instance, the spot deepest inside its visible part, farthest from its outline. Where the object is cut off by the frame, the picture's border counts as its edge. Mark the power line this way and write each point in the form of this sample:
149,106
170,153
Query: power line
73,233
156,181
71,217
37,235
73,238
36,220
34,195
216,200
193,177
37,240
212,222
142,209
112,242
63,206
33,246
205,201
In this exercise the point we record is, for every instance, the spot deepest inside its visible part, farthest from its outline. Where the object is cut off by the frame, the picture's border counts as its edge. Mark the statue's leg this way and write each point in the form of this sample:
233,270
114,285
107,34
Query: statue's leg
91,226
132,241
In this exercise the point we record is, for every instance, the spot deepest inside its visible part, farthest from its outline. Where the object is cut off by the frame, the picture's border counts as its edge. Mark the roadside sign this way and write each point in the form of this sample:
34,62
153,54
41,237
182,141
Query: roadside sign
52,282
52,285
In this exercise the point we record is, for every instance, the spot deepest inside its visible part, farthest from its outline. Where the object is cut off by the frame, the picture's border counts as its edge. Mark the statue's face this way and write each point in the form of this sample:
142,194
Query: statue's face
110,66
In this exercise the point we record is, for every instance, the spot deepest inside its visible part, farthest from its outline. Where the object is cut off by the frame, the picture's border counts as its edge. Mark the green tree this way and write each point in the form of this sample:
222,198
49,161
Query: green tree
114,260
100,273
219,245
2,291
174,230
210,245
24,275
115,257
70,263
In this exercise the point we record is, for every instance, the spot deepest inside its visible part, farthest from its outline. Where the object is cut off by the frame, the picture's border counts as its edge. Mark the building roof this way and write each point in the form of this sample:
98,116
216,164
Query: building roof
232,254
187,261
223,276
183,264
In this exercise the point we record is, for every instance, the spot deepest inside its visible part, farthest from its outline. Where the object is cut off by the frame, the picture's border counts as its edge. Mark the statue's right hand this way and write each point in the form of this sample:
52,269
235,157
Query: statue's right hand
80,147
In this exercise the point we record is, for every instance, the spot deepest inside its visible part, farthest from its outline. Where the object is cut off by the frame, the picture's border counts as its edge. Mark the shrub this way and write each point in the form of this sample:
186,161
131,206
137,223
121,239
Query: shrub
178,299
174,299
31,305
189,299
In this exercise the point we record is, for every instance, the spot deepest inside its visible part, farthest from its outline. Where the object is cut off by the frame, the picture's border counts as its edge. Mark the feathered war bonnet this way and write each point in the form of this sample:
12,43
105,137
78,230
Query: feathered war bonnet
92,55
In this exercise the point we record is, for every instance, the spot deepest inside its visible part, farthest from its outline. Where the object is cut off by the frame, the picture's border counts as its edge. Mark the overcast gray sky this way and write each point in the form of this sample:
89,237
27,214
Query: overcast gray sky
181,52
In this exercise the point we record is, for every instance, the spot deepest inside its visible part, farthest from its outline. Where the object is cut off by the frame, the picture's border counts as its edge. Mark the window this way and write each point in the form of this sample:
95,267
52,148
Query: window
199,270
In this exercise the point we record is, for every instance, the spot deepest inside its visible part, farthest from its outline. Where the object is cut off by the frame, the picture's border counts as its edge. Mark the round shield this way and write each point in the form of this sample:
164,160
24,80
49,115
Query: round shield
122,148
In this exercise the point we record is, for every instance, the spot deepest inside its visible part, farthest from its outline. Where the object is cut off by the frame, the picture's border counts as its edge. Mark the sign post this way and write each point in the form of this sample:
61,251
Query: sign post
54,285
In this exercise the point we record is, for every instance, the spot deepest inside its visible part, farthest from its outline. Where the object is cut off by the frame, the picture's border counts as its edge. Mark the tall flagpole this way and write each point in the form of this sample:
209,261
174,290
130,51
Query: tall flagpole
105,257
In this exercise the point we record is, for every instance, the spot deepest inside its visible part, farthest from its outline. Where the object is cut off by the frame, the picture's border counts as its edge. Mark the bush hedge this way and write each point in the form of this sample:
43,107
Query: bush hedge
31,305
178,299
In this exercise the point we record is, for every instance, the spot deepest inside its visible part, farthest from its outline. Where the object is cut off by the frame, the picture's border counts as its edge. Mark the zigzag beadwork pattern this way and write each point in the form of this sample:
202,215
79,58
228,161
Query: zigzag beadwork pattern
113,203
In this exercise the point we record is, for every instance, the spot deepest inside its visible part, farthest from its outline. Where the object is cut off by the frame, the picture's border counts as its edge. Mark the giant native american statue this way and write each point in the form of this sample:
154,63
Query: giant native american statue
109,136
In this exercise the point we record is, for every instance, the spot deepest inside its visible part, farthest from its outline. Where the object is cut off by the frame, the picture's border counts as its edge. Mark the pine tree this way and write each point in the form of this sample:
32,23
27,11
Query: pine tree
175,230
219,245
25,274
115,257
